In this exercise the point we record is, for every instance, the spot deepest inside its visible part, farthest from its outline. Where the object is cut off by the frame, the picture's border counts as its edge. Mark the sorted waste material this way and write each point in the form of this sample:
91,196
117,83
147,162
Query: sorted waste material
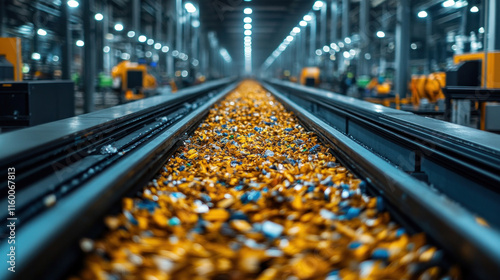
253,195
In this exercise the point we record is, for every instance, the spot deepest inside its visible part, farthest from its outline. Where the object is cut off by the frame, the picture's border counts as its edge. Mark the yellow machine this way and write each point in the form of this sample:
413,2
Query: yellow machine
429,87
310,76
490,67
11,49
383,88
132,80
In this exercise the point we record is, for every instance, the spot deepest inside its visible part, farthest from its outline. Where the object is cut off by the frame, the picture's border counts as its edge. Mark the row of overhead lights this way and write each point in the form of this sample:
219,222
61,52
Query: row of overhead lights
295,31
332,49
247,26
318,5
451,4
190,8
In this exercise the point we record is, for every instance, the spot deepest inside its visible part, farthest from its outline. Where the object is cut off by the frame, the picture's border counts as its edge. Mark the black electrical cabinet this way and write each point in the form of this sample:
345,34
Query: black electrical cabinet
32,103
6,69
466,73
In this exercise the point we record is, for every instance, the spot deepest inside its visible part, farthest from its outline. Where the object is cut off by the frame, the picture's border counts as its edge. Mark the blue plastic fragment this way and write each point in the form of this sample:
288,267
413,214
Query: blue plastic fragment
254,196
147,205
344,205
269,153
333,275
130,217
353,213
354,245
238,216
272,230
400,232
326,214
205,197
174,221
244,198
314,149
380,254
288,129
380,204
331,164
182,168
177,195
345,194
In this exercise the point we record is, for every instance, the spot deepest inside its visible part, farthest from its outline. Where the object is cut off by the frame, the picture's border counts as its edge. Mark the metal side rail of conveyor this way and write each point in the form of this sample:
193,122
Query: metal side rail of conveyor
69,172
455,228
462,163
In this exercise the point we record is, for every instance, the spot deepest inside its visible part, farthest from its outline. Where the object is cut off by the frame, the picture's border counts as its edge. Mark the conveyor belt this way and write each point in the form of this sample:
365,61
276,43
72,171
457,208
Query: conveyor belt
475,246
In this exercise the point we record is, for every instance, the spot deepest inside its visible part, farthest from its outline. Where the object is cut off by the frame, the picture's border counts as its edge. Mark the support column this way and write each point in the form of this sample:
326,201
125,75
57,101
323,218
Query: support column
109,59
204,55
136,25
90,56
333,32
304,58
323,39
158,34
100,38
298,52
171,12
493,25
312,42
345,18
187,34
196,35
364,32
334,21
178,20
345,30
3,33
67,42
402,47
428,44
